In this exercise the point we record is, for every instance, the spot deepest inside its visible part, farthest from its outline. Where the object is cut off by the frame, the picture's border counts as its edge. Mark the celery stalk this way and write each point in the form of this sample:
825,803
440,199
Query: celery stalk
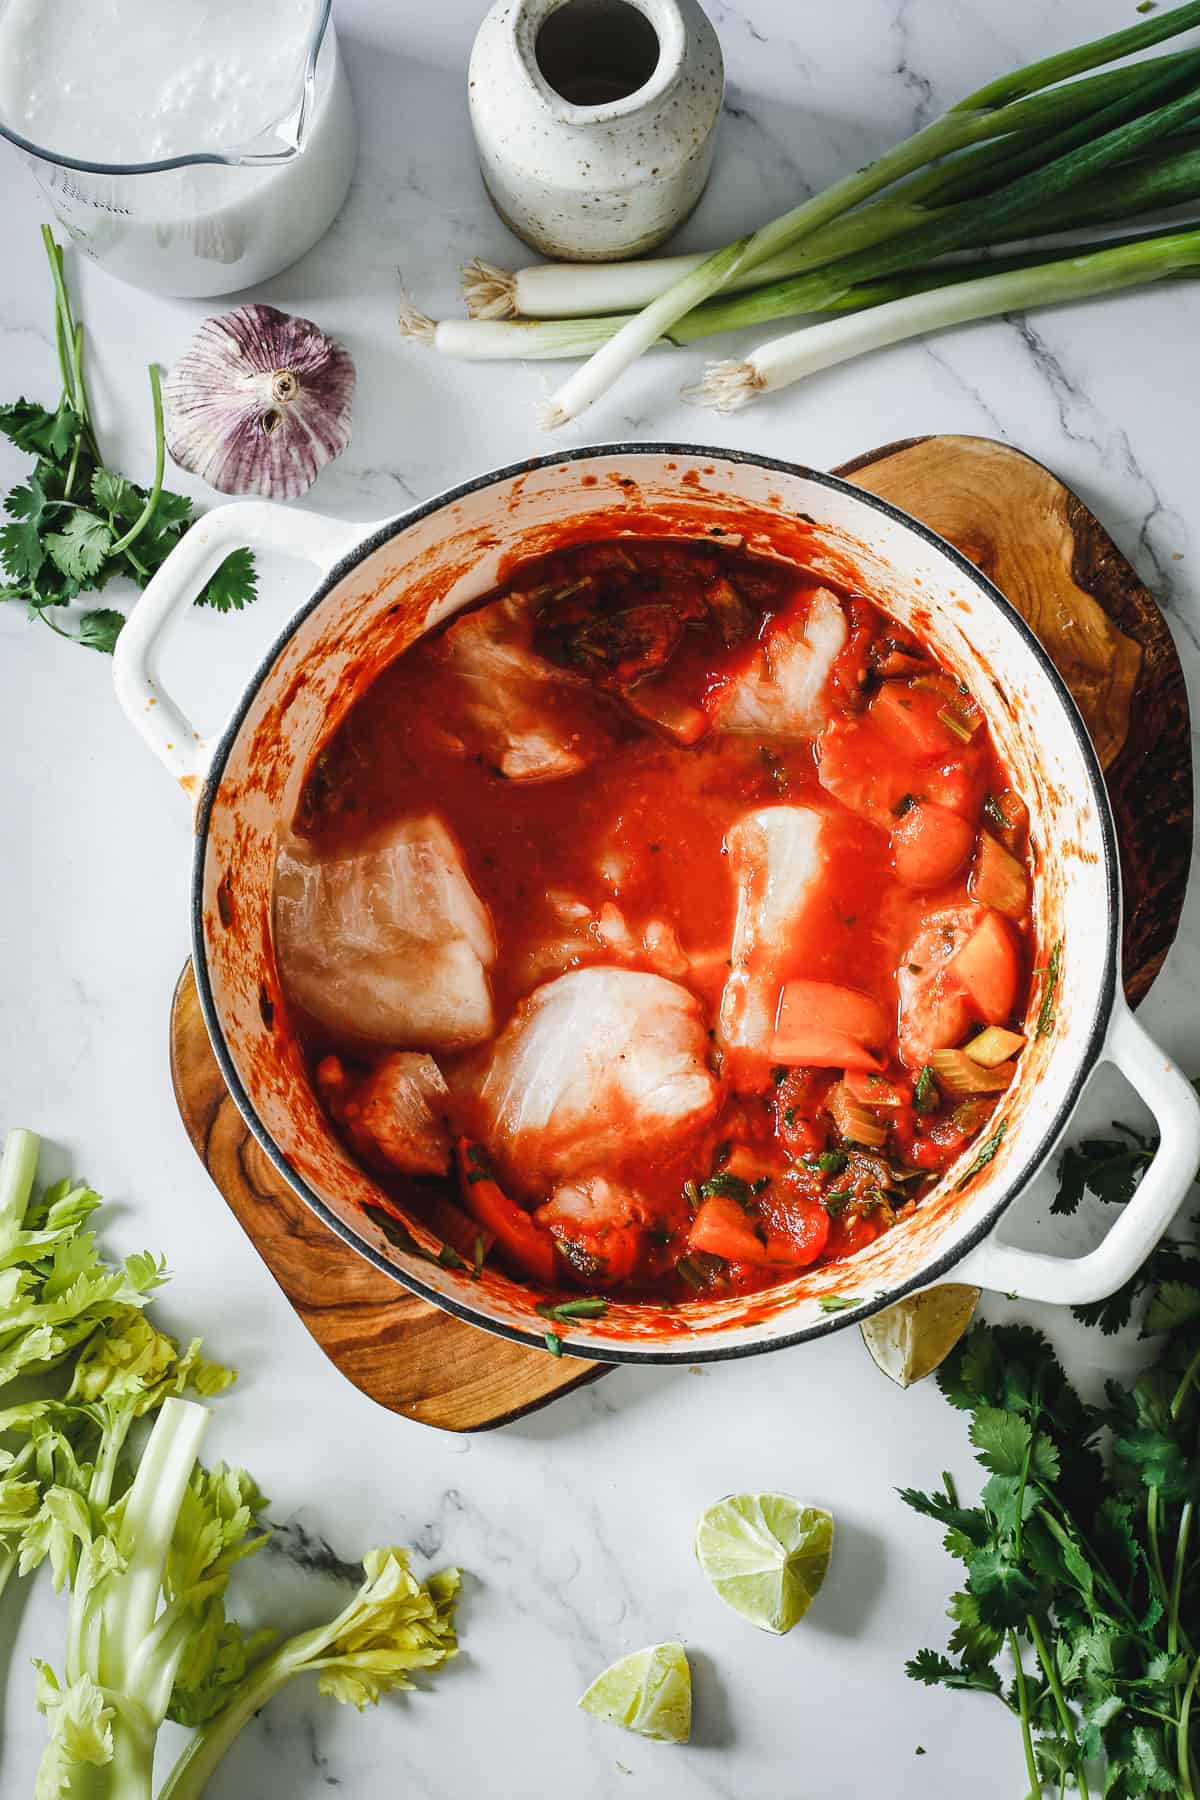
18,1166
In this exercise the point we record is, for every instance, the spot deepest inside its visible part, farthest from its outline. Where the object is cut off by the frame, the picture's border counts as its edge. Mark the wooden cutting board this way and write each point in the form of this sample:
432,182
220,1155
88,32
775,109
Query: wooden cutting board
1056,563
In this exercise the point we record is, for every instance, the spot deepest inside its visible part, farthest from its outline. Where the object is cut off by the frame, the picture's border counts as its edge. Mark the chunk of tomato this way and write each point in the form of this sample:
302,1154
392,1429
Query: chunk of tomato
797,1102
848,676
958,785
989,967
601,1258
803,1225
721,1228
930,844
873,776
821,1025
937,1016
935,1008
874,1090
853,1233
927,1153
859,767
908,718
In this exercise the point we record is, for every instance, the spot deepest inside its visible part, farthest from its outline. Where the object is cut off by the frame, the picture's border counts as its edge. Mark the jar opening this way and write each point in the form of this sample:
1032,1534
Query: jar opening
593,52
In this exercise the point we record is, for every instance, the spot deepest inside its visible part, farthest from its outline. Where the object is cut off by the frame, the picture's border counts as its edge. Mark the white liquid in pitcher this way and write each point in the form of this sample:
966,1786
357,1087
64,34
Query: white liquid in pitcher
128,81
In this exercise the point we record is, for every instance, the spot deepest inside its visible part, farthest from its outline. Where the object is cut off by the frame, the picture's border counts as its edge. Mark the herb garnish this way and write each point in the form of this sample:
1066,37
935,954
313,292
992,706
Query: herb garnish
836,1303
986,1153
926,1098
75,525
829,1162
1045,1018
397,1233
481,1168
552,1342
592,1307
727,1187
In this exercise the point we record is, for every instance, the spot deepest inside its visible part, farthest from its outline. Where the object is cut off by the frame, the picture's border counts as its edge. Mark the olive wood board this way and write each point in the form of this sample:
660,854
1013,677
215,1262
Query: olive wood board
1043,548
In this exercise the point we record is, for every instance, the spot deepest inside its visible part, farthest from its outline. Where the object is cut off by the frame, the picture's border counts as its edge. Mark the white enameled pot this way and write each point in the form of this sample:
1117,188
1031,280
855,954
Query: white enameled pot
381,588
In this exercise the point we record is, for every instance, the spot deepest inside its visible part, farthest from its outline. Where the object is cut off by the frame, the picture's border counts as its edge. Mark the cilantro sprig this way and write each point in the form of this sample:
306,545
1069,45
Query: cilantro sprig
76,525
1082,1570
1109,1168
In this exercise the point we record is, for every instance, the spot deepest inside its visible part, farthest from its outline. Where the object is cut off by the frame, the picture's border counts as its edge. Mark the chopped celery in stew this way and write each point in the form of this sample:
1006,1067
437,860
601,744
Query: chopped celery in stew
661,925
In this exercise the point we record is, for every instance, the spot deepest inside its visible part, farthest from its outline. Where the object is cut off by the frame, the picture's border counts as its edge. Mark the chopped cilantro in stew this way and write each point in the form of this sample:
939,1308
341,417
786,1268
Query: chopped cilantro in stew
661,925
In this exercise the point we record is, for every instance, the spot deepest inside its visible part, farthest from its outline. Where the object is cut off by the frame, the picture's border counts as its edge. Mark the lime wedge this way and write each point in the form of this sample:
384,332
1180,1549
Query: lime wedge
649,1691
908,1341
766,1555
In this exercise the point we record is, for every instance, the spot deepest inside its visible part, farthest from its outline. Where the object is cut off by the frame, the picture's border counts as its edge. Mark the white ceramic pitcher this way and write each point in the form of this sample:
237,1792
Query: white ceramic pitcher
595,120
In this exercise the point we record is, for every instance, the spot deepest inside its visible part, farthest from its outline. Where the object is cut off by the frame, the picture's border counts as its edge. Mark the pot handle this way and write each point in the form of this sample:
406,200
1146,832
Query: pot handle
1070,1281
245,524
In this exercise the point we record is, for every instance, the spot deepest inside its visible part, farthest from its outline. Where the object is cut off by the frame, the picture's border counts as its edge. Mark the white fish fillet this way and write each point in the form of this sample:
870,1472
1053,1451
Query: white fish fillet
519,703
594,1063
776,858
391,942
782,691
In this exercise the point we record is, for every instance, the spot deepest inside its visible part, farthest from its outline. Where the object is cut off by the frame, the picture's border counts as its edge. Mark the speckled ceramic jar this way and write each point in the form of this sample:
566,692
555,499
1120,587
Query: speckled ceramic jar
595,120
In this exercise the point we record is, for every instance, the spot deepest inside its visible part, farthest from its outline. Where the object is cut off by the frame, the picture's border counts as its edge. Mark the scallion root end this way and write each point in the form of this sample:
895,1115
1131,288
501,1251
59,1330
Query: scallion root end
727,386
416,324
490,293
552,415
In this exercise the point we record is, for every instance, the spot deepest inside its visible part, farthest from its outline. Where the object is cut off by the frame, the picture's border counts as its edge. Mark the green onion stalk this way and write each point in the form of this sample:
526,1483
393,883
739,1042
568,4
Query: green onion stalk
730,385
1028,99
823,291
1153,179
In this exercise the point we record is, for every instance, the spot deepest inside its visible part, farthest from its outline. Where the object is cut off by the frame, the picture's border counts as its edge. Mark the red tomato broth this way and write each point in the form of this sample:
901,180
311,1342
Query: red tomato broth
642,828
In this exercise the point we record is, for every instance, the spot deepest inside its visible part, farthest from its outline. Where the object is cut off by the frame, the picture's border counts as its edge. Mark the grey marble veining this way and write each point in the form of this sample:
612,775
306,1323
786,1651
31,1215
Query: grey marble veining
574,1524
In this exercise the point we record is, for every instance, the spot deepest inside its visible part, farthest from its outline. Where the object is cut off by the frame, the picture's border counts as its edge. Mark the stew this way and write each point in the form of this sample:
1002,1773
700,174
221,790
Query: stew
675,905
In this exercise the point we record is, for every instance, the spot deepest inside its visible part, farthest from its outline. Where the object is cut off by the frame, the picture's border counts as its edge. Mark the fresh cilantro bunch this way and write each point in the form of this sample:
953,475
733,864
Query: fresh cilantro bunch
141,1535
1083,1567
76,525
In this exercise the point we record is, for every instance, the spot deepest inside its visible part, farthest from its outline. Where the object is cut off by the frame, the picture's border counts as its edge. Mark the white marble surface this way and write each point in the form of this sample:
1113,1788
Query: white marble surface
575,1523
